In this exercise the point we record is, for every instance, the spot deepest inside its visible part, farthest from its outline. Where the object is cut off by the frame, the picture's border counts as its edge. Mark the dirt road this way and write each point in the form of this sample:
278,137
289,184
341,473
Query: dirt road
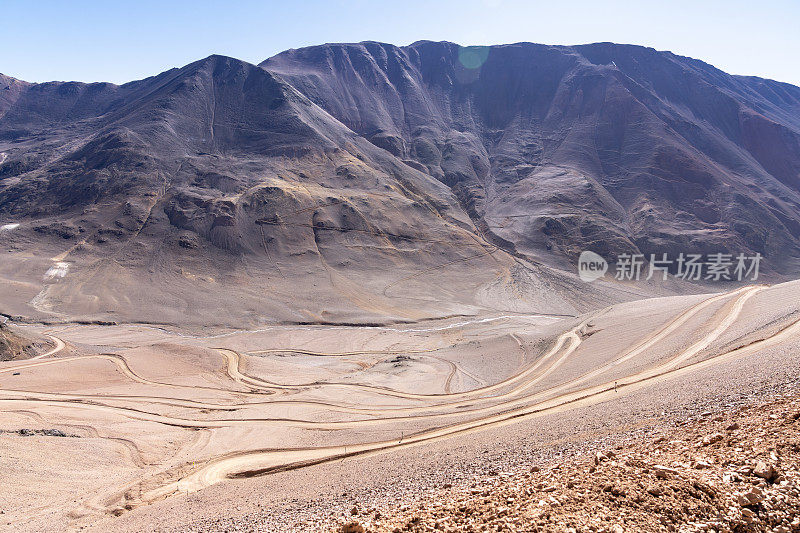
233,399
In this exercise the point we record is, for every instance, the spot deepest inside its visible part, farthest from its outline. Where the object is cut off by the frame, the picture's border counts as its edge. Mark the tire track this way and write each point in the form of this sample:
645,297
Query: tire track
262,462
251,463
572,336
380,414
60,345
126,370
411,411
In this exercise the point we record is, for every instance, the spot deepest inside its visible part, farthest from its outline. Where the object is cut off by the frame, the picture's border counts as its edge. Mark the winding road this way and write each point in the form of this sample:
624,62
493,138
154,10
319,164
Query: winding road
532,391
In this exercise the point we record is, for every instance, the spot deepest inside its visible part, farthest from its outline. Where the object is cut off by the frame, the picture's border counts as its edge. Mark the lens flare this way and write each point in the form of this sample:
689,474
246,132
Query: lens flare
473,57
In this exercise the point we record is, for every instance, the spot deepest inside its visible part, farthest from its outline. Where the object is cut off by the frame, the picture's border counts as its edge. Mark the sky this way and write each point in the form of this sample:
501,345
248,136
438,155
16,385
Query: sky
45,40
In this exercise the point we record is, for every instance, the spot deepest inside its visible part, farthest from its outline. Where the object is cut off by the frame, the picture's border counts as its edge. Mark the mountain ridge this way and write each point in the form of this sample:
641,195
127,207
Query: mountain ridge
601,61
374,183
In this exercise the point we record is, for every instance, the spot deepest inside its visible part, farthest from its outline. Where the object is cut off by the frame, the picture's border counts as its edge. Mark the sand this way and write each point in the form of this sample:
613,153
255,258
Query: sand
162,428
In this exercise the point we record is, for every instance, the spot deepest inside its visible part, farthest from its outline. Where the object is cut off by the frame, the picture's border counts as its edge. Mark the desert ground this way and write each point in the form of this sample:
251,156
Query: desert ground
140,427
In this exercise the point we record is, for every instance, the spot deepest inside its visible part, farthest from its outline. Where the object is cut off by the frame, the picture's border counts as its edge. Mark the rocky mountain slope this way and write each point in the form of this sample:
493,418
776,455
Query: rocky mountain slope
371,183
555,149
13,345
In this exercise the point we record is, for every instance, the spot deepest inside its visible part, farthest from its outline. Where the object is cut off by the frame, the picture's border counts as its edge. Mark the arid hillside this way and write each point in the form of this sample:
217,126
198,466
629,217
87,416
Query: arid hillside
12,345
374,184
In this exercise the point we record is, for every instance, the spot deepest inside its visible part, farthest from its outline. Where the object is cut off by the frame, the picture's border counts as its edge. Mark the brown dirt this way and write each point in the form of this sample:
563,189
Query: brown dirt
13,346
735,472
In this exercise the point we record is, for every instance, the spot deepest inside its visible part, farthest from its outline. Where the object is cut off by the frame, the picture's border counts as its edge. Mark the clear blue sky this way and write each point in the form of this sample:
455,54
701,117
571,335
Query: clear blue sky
46,40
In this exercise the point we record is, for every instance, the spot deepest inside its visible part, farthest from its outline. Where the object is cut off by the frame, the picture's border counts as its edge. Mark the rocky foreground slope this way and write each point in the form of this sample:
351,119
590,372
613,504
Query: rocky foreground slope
729,471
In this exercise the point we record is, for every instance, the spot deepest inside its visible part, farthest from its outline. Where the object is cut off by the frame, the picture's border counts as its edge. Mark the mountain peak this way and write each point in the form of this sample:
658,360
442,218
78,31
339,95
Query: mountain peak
342,155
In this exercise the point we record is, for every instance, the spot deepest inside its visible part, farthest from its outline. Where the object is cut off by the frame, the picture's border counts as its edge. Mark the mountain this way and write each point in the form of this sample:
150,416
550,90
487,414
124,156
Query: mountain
217,194
368,183
13,345
555,149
